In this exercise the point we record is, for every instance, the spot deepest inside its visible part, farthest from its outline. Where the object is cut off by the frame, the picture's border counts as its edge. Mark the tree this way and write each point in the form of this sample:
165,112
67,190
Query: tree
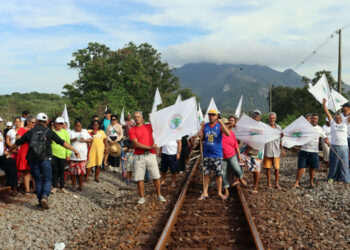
127,77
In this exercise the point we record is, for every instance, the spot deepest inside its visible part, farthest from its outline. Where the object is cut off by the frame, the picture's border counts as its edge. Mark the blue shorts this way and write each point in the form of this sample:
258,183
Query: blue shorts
212,165
308,159
168,161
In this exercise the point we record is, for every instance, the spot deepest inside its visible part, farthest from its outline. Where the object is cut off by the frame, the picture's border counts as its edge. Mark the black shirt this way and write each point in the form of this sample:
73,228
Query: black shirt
50,136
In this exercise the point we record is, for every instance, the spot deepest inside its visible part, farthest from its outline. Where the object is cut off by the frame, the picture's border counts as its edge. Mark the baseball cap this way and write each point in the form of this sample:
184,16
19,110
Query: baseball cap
41,117
213,111
256,112
9,124
347,104
59,120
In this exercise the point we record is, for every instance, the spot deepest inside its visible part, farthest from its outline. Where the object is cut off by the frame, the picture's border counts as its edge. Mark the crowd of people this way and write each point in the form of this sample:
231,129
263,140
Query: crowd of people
36,153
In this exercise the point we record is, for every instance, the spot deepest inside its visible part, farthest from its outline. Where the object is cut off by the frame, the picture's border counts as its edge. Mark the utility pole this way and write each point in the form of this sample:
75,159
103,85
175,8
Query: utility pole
270,98
339,63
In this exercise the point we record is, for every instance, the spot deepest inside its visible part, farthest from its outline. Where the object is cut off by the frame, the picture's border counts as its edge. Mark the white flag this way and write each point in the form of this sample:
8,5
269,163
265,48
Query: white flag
122,119
254,133
321,90
212,105
178,99
171,123
298,132
337,99
156,101
65,116
200,114
106,109
239,107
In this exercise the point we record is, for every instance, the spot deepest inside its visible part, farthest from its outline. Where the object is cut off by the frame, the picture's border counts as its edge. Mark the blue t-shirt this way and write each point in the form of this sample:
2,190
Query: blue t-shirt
106,123
212,144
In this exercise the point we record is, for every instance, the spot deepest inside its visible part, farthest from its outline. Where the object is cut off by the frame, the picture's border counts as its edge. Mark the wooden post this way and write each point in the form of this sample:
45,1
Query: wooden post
339,63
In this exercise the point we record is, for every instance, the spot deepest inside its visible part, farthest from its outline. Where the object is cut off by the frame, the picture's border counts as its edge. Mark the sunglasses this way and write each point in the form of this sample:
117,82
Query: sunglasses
113,119
212,114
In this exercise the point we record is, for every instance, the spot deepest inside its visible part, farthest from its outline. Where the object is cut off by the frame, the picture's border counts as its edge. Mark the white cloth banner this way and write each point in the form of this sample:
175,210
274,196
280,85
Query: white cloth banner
65,116
178,99
338,100
122,119
254,133
212,105
200,114
239,107
156,101
298,132
171,123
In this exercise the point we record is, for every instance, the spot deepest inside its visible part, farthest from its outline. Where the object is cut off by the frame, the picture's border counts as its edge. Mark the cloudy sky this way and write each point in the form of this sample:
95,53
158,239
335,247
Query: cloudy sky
37,38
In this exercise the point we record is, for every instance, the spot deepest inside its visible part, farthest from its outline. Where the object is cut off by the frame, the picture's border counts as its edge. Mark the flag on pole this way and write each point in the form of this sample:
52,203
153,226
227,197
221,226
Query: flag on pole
200,114
254,133
156,101
298,132
212,105
178,99
171,123
65,116
239,107
106,108
122,119
337,99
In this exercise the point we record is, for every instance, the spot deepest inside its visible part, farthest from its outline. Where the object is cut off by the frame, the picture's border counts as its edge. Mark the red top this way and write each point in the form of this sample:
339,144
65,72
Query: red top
229,145
143,134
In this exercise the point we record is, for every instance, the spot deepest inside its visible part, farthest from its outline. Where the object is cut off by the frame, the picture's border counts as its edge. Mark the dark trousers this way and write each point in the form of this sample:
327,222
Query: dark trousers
42,174
8,165
58,166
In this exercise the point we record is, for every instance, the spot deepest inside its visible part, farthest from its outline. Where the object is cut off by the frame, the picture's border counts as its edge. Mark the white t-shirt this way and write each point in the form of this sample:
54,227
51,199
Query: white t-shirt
339,133
345,120
1,145
112,131
170,148
312,146
327,131
82,147
12,134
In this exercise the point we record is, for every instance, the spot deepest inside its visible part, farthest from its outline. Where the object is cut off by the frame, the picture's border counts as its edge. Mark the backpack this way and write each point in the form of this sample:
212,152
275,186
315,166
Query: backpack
37,145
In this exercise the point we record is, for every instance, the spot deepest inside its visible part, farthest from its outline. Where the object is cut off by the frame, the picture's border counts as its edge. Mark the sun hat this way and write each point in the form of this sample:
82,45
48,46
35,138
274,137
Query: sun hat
256,112
213,111
59,120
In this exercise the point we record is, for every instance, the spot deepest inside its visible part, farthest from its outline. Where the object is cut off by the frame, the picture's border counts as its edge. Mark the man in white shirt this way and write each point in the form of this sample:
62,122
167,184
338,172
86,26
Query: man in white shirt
170,155
345,114
308,154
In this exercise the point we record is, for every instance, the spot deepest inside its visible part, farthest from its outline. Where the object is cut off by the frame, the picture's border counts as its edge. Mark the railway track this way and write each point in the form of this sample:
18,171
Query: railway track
213,223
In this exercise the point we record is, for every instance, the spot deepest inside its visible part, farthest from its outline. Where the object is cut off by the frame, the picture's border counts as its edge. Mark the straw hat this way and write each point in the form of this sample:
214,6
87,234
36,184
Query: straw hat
114,149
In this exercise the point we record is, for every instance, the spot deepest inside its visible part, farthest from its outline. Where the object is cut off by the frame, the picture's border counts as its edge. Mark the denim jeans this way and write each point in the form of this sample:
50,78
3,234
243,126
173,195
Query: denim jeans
42,174
232,163
337,170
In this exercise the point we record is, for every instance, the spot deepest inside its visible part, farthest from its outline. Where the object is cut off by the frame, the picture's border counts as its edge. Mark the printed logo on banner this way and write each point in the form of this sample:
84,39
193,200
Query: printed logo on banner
175,122
296,134
324,90
253,132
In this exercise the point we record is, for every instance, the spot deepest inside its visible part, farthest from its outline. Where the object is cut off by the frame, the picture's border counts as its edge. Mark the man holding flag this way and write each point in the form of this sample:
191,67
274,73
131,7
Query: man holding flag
211,134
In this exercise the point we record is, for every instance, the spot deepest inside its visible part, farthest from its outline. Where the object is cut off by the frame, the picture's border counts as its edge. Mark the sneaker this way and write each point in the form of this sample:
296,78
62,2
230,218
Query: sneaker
64,191
53,190
44,203
161,198
142,200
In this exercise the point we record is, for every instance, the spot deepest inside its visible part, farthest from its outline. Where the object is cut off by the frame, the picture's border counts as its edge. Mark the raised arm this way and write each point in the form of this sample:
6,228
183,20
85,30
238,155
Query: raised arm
329,116
225,130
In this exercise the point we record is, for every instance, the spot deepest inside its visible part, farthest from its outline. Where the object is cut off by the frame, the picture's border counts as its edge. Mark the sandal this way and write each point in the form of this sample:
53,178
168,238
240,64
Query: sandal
203,197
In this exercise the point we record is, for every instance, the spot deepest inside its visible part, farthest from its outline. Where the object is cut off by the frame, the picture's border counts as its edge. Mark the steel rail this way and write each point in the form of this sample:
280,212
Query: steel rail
250,220
172,219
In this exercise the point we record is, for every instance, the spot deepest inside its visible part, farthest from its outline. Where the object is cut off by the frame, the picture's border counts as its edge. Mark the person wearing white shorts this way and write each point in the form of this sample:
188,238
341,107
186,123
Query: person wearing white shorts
145,156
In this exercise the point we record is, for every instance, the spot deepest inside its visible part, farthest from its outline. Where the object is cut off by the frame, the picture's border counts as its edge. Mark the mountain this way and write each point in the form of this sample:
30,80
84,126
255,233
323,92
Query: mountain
227,82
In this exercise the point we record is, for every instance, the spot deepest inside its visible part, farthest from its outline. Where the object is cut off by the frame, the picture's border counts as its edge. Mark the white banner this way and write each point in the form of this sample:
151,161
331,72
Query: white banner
65,116
174,122
156,101
338,100
239,107
122,119
212,105
200,114
298,132
254,133
178,99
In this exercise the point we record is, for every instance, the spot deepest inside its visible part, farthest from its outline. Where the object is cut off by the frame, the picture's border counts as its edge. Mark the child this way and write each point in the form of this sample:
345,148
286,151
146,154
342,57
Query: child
129,158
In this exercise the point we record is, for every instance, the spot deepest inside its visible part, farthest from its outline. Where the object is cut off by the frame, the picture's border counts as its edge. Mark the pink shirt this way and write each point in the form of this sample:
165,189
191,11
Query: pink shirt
229,145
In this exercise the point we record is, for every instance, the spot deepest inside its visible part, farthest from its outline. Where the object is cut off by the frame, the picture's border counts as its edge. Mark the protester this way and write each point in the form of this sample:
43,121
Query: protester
25,114
308,117
59,156
231,155
325,148
52,124
21,161
185,152
339,155
39,154
93,118
272,153
106,120
211,134
308,154
170,155
98,149
129,123
80,139
345,115
114,135
129,158
11,135
145,156
8,165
